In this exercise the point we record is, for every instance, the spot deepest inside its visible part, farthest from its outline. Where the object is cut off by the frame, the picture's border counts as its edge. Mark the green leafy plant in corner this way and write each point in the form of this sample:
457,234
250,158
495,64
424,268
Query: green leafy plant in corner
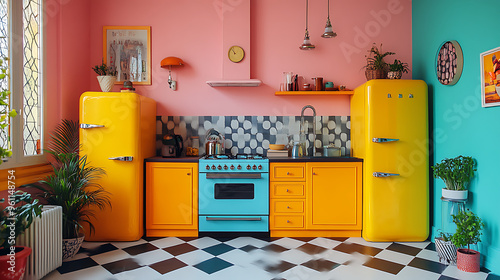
445,236
104,70
399,66
73,185
375,58
5,111
15,220
469,227
455,172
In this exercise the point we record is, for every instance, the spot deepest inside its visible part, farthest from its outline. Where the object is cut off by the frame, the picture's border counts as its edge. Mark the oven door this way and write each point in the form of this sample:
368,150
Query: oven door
234,194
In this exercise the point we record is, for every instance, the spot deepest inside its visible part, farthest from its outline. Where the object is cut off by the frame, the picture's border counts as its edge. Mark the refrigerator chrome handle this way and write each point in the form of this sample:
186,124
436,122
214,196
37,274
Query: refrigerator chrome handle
232,219
125,158
383,140
383,174
87,125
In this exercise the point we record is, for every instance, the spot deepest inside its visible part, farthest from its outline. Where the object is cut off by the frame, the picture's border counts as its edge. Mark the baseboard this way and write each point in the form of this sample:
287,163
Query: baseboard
492,259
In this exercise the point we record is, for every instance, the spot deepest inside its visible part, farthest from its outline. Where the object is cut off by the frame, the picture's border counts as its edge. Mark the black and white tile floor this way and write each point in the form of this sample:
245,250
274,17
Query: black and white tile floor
259,259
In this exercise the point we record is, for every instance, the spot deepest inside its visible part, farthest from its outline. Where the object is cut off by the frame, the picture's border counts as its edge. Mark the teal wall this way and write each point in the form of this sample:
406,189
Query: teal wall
461,125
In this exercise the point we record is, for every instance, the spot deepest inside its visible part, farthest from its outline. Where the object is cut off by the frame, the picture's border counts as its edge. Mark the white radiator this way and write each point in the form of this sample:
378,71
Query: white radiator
44,237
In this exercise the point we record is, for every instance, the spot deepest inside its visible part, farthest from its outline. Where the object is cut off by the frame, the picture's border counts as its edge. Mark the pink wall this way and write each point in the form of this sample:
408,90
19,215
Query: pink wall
67,35
192,30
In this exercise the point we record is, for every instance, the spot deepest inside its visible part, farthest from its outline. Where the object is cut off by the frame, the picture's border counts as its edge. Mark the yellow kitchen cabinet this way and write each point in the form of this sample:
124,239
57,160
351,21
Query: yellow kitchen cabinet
333,197
171,199
315,199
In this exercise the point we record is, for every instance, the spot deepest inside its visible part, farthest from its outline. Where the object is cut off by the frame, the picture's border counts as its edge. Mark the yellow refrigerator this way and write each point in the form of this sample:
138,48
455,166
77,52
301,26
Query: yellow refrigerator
117,131
389,130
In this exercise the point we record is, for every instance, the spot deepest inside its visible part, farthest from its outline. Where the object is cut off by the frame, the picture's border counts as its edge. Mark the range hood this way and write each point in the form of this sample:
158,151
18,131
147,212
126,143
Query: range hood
235,83
235,32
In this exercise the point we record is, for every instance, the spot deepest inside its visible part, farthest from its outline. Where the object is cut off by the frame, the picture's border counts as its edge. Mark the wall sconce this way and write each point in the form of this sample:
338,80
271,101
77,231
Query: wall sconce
168,62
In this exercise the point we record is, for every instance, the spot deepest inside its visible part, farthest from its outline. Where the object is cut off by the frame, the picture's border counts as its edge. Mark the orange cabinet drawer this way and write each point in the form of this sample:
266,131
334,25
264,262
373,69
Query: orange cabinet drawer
287,172
288,221
287,206
287,189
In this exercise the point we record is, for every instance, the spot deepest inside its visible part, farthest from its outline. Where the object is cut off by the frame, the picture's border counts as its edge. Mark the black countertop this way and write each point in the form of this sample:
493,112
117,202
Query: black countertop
285,159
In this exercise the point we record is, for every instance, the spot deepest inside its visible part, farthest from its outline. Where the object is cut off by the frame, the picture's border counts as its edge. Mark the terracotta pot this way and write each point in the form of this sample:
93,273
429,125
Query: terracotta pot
71,246
468,262
454,195
12,267
447,252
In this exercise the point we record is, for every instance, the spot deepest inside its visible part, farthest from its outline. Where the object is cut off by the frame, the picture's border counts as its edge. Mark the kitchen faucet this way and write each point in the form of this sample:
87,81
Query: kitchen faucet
302,131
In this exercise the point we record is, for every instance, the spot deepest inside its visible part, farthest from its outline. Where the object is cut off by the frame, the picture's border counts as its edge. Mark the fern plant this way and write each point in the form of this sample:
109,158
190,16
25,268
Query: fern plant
375,58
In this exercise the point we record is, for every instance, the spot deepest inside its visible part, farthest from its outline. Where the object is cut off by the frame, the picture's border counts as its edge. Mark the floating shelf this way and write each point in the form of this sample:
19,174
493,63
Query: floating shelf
328,92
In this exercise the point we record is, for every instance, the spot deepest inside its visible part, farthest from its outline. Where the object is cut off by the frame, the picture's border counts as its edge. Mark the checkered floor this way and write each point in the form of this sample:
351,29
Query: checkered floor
259,259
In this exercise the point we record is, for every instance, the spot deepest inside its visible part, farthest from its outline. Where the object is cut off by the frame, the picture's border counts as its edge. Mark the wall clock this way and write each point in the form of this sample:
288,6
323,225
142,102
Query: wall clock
236,54
449,63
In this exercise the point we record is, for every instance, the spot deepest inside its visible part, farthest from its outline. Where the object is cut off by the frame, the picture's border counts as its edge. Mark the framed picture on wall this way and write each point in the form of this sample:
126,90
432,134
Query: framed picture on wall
490,77
128,50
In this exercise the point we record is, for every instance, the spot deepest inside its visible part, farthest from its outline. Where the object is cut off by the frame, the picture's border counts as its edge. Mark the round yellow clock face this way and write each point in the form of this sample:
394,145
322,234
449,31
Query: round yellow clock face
236,54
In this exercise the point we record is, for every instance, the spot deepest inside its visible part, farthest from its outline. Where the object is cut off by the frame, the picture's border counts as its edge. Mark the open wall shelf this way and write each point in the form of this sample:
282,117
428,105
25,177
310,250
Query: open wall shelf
342,92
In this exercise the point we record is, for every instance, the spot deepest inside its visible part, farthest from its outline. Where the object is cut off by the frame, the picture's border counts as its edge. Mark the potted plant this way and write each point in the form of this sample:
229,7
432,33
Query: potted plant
13,222
446,250
397,69
456,173
376,67
106,76
72,186
5,112
469,227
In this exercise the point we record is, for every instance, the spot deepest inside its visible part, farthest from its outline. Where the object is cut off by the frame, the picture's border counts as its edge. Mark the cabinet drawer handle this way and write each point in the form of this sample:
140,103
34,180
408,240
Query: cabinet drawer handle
288,207
288,173
287,190
314,173
287,221
189,174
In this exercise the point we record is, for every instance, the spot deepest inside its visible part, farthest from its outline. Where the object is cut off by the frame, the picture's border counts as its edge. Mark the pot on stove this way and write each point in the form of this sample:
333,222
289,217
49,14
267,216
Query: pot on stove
213,147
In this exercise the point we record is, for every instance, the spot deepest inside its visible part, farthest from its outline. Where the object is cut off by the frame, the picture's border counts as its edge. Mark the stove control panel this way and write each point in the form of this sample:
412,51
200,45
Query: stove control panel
231,166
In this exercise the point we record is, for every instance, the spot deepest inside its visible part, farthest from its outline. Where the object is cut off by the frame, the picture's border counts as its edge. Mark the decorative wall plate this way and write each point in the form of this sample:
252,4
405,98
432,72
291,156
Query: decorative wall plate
449,63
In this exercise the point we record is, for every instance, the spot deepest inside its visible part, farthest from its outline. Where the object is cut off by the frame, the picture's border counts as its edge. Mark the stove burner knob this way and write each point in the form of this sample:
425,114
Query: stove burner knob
232,167
213,167
207,167
260,167
219,167
254,167
239,167
225,167
248,167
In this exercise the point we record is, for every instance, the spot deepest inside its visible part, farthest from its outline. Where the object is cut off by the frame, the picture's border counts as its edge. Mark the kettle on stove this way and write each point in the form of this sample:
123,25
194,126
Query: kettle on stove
172,145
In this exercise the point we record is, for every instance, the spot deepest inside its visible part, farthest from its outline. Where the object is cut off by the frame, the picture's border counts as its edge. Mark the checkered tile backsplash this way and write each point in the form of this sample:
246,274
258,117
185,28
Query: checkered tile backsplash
253,134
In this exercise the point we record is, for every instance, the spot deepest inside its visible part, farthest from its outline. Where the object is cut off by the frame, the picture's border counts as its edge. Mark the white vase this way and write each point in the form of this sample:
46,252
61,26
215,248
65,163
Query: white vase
454,195
106,82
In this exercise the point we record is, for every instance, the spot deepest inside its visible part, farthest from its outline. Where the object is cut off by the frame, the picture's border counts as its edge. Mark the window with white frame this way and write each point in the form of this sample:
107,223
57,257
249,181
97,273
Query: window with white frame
21,41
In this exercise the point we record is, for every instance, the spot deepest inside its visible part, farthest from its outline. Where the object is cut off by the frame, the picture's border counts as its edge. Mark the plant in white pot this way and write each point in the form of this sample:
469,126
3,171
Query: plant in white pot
456,173
469,227
72,186
106,76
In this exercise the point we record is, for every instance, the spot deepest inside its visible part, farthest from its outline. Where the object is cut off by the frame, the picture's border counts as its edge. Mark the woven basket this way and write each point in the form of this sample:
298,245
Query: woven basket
106,82
375,74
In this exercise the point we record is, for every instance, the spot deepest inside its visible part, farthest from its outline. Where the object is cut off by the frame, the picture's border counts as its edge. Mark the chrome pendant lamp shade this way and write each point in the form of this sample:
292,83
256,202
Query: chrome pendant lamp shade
328,28
306,45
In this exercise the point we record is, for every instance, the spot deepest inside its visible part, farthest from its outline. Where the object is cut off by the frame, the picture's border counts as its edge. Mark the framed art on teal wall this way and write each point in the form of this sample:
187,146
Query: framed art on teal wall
490,77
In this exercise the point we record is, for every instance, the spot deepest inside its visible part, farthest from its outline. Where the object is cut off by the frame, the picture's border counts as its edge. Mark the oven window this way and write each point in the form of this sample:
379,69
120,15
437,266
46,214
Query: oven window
234,191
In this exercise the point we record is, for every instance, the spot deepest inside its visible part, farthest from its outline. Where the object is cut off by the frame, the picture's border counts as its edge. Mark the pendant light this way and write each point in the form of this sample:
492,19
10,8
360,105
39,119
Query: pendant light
306,45
328,28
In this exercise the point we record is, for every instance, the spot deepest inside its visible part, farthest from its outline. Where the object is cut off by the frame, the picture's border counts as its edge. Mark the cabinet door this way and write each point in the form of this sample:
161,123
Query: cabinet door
171,196
334,195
